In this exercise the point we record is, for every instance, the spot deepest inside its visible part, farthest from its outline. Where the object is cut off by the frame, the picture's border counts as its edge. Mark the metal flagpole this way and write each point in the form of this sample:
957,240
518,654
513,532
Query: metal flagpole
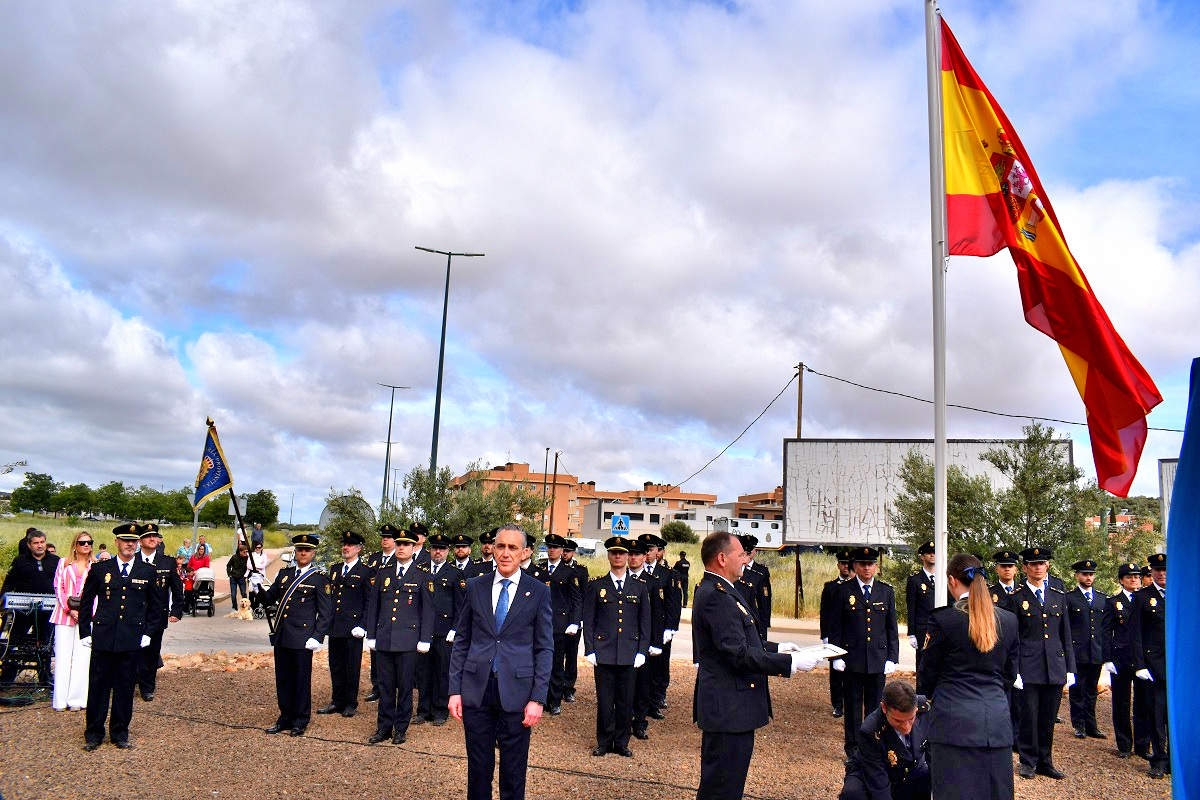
937,229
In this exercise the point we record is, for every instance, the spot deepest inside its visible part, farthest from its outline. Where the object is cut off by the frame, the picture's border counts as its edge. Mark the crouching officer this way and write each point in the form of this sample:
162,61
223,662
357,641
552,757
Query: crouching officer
890,760
350,590
302,619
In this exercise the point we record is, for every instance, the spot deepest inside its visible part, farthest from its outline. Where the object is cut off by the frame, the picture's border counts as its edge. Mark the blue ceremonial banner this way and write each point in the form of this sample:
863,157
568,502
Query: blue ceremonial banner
1183,646
214,476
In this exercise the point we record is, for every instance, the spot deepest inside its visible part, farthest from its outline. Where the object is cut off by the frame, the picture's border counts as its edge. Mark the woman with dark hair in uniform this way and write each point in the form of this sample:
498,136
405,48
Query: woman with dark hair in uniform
970,656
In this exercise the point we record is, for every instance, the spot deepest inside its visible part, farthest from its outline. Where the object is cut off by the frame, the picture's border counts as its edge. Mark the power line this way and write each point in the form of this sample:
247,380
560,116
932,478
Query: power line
964,408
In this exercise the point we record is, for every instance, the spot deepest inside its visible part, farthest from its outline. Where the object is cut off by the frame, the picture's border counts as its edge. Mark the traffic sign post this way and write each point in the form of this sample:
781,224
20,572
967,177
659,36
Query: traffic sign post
620,525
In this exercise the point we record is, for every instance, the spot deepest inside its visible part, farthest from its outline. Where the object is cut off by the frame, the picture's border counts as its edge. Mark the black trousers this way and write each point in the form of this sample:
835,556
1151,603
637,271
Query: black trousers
863,691
835,689
1143,714
970,773
111,677
1039,707
293,686
149,660
572,664
396,676
435,689
374,674
558,671
915,787
920,634
614,705
488,728
1082,697
724,762
1122,706
643,678
661,677
1160,752
420,677
345,666
1015,702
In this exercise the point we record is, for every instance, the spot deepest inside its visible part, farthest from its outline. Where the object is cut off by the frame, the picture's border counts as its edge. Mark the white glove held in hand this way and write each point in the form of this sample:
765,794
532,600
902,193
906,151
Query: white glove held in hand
312,644
912,642
590,658
572,629
1144,674
1070,679
1110,668
450,637
802,662
145,641
422,647
888,668
668,635
638,661
369,644
825,640
838,665
85,641
788,647
655,651
358,632
1018,683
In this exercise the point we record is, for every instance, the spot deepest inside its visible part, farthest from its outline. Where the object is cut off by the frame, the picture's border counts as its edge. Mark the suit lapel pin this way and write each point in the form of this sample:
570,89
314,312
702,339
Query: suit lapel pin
527,594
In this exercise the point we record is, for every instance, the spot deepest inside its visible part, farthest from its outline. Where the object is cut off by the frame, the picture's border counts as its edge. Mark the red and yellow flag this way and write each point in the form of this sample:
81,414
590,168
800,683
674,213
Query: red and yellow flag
995,200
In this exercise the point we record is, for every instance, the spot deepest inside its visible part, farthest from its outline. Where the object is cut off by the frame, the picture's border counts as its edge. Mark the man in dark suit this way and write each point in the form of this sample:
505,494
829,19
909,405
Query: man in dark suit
31,571
566,597
1045,663
500,668
755,587
350,592
829,607
1085,612
1128,694
890,759
126,608
865,627
1150,659
571,671
918,596
302,618
731,699
169,587
385,558
449,595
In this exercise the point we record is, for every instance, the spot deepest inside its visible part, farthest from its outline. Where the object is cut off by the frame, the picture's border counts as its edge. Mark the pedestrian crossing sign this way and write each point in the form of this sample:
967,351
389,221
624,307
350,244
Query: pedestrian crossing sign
620,524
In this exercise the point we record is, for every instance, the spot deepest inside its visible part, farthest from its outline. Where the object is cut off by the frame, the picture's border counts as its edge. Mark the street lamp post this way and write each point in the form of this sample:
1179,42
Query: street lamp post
437,402
387,457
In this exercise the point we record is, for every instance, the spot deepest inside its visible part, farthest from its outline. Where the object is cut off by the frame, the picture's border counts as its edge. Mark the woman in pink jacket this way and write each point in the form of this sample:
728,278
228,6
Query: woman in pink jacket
71,659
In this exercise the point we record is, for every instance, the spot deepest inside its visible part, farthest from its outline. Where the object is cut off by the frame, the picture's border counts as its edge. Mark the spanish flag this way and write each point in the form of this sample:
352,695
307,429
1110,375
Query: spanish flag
994,200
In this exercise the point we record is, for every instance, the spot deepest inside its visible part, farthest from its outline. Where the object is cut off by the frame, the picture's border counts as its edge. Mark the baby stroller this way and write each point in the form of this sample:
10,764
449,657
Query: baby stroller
203,590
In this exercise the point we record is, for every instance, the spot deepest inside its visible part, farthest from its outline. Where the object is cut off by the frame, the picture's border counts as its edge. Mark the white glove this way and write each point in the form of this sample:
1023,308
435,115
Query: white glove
888,668
369,644
787,647
450,637
358,632
655,651
85,641
1110,668
422,647
1144,674
145,641
802,662
838,665
668,635
638,660
1018,683
1070,679
825,640
572,629
912,642
590,658
312,644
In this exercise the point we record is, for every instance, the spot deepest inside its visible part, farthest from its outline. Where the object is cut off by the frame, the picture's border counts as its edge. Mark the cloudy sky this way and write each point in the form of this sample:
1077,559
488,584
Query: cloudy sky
211,208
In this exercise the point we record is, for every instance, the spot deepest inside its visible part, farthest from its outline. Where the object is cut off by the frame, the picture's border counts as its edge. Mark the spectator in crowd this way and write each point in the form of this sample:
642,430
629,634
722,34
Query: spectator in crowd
23,544
51,549
31,572
185,549
257,536
258,567
102,553
236,569
71,659
188,576
199,558
202,542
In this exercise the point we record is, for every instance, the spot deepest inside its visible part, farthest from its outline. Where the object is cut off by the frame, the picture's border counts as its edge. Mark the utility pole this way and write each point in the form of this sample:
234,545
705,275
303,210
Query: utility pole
387,458
554,490
798,599
545,467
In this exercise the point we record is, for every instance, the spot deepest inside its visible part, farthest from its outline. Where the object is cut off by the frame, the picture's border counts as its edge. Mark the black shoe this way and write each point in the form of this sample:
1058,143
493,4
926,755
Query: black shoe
1097,734
372,697
1144,754
418,721
640,733
349,711
90,746
1079,734
1025,771
1156,773
1050,772
1123,754
378,737
662,704
1058,720
596,751
297,732
837,713
147,696
399,738
124,744
621,750
554,711
438,722
276,728
654,713
329,709
569,697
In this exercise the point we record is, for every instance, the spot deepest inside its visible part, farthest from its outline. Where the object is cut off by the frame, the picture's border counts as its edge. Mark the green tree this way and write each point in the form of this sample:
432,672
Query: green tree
177,509
75,499
261,507
110,499
36,493
678,531
216,511
145,503
426,499
971,507
349,511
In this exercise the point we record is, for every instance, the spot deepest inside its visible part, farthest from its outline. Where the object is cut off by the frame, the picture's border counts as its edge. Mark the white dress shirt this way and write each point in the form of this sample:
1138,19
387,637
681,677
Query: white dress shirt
514,582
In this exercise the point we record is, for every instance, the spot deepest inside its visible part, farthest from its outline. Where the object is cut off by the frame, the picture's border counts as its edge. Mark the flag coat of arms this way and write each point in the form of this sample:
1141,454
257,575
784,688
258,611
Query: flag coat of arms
214,476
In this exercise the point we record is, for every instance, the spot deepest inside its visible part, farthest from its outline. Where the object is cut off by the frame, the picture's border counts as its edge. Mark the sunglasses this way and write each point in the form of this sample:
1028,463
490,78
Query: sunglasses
84,543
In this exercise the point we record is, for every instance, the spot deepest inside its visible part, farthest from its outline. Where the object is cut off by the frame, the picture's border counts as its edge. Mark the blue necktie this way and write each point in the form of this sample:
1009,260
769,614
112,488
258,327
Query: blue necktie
124,570
1089,597
502,603
619,586
867,593
1038,592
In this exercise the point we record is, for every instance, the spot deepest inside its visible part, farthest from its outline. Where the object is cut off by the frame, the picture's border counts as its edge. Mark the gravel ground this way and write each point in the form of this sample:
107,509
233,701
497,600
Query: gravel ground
202,737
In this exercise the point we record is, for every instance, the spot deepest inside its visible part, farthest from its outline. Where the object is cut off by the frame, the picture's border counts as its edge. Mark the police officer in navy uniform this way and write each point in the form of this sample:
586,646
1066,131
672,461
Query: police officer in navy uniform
385,558
890,761
530,567
672,585
1046,661
399,626
304,612
755,588
1003,591
420,534
829,607
169,587
1128,694
460,547
449,594
1085,611
127,606
643,677
865,626
918,595
485,565
616,635
571,673
1150,658
350,592
566,600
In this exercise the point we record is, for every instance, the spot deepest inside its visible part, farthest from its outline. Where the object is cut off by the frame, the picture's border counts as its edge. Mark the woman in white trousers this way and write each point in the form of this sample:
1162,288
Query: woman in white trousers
71,659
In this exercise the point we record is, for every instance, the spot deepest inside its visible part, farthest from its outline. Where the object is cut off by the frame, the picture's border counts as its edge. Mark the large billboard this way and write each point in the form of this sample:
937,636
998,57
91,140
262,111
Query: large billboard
1166,485
840,491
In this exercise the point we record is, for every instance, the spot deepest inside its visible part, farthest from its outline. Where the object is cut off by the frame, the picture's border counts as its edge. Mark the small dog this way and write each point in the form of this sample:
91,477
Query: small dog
243,611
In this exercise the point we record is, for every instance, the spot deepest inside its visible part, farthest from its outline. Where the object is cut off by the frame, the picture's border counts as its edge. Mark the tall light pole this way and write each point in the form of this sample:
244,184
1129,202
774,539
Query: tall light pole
387,458
545,467
437,402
